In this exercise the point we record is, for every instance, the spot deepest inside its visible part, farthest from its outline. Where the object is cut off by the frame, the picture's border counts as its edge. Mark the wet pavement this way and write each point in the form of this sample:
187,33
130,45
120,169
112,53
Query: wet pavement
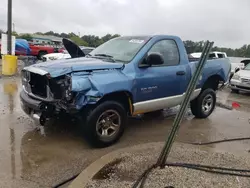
31,159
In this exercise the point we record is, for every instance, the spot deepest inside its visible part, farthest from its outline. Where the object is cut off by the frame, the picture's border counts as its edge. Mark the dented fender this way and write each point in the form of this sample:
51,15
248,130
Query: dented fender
91,87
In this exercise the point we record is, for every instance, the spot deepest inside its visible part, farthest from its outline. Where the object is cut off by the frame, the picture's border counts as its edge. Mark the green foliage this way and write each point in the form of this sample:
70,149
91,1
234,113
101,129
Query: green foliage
94,41
28,37
192,46
78,41
14,33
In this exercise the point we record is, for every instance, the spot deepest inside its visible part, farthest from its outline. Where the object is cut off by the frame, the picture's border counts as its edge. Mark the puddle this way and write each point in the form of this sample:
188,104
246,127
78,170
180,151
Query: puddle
108,170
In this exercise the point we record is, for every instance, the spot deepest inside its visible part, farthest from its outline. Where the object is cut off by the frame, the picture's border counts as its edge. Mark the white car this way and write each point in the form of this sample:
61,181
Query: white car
55,56
241,80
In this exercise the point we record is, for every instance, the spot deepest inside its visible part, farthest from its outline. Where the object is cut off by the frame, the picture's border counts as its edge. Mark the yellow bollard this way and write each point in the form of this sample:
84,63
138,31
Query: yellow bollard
9,65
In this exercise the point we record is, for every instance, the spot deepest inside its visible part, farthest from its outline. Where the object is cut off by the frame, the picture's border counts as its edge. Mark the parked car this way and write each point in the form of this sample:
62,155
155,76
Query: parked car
40,50
21,47
71,46
56,56
211,55
123,77
238,66
241,80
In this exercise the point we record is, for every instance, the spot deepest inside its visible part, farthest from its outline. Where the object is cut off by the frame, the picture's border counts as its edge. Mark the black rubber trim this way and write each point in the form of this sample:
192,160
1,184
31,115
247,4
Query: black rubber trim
30,102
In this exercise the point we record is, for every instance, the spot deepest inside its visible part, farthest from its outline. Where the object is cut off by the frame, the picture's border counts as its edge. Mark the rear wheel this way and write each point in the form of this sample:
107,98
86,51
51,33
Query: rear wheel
105,124
204,104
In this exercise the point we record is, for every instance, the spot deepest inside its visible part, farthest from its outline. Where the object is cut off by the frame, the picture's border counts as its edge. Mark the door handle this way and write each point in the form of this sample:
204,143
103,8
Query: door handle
180,73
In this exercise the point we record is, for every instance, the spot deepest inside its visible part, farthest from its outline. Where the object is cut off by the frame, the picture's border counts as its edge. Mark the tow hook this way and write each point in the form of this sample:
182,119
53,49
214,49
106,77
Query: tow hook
42,120
39,119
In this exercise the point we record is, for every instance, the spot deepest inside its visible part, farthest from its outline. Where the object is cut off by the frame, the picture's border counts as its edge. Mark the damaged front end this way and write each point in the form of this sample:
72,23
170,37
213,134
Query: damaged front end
44,97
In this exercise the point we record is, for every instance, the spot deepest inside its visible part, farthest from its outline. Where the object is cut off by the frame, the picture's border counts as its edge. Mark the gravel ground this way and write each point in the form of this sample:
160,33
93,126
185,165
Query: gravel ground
124,171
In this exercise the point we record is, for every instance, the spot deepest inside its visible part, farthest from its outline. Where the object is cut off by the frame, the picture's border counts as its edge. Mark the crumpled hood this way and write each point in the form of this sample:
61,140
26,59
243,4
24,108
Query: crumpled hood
60,67
244,73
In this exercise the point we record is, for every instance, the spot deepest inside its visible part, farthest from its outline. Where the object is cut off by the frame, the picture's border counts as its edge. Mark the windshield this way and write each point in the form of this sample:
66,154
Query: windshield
121,49
247,67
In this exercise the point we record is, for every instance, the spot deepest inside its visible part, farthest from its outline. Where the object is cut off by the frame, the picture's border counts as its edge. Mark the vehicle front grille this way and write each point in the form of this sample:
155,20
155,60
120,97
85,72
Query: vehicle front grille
245,81
38,85
43,87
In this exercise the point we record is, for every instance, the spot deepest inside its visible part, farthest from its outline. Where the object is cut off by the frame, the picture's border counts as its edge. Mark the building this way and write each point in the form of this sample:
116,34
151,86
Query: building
46,39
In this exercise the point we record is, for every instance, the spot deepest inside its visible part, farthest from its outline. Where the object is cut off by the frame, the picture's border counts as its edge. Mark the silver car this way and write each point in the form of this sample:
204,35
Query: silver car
241,80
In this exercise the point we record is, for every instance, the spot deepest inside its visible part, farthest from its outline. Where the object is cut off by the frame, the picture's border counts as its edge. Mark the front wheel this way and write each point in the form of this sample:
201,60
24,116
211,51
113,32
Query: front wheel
204,104
105,124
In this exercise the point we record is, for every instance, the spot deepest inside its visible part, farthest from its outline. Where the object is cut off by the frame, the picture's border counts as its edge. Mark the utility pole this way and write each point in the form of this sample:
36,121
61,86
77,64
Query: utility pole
9,22
13,27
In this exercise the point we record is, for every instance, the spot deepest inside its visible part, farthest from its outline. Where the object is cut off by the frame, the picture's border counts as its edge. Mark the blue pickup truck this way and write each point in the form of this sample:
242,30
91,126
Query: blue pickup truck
123,77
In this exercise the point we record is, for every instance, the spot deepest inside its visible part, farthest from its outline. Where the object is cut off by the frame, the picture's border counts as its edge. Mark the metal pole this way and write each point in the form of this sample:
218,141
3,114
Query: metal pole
13,27
167,147
9,26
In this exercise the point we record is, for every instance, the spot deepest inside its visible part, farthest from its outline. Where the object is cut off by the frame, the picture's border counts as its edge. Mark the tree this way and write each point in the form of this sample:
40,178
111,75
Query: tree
78,41
49,33
27,37
38,33
64,35
14,33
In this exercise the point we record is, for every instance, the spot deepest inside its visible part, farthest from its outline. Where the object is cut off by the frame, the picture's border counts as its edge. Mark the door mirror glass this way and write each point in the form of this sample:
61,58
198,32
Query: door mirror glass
154,59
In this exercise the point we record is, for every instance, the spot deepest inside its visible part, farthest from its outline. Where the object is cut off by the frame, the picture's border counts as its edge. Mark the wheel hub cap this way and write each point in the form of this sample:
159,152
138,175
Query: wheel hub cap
207,103
108,123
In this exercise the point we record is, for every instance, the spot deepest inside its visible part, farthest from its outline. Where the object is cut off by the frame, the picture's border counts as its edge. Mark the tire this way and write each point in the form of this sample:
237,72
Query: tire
197,105
90,127
235,91
41,54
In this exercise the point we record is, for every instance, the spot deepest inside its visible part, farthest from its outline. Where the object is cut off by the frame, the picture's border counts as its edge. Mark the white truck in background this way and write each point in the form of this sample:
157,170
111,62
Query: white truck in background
211,55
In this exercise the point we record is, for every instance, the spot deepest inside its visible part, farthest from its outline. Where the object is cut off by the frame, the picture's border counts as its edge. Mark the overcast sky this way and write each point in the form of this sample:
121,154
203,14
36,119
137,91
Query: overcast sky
224,21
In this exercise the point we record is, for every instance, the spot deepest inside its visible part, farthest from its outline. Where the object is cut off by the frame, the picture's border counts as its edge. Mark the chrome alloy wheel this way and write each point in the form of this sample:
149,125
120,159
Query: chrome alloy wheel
207,104
108,124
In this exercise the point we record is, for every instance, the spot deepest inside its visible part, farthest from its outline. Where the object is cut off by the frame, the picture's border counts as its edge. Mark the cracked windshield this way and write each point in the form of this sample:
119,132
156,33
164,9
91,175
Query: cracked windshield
122,93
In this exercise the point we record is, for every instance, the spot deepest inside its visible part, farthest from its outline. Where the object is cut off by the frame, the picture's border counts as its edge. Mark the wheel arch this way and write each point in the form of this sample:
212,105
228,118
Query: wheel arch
212,82
124,97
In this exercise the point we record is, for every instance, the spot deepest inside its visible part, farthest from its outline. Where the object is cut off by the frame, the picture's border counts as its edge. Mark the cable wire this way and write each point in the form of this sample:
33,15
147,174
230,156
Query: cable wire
220,141
206,168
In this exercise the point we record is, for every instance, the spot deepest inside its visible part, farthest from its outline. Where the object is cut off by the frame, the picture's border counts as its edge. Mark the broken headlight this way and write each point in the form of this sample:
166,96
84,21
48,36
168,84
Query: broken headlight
236,77
68,89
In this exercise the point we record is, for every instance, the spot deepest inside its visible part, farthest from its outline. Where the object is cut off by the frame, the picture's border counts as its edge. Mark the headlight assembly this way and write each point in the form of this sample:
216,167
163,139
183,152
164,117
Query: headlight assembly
68,88
236,77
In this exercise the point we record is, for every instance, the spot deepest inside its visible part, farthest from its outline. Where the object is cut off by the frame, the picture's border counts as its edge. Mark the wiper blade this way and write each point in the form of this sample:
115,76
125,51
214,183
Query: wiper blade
104,55
88,55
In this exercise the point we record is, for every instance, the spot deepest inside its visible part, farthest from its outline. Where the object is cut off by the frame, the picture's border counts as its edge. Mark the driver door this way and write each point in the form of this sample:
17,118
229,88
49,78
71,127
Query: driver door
160,86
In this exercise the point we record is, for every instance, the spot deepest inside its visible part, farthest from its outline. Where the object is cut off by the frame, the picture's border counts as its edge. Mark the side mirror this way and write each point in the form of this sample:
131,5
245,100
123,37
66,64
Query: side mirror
154,59
237,69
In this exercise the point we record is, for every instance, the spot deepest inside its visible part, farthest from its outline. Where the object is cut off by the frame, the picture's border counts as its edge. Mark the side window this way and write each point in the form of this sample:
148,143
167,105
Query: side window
169,50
